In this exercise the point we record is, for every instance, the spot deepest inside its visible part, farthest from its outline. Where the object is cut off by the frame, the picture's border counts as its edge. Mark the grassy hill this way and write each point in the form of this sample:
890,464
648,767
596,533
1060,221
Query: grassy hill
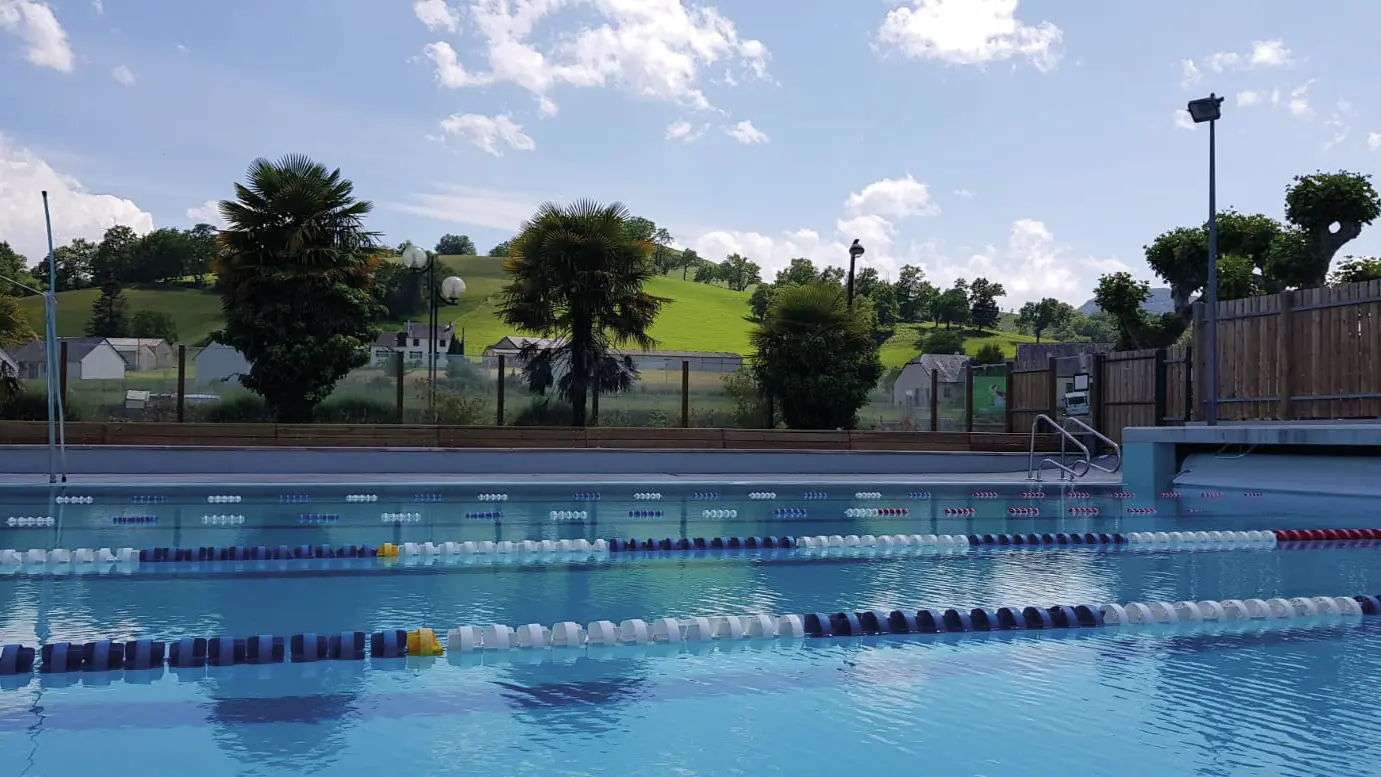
699,318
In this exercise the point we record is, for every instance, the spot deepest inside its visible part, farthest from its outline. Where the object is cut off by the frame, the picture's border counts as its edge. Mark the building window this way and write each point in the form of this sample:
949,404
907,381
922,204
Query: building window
415,356
415,342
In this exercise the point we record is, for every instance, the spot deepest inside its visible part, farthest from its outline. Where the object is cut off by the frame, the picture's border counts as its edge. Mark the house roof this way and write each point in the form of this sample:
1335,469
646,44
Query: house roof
950,366
419,330
77,348
5,357
125,343
514,343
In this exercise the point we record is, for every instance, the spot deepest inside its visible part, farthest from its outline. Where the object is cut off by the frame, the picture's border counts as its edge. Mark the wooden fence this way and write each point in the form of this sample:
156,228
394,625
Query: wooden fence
419,436
1309,354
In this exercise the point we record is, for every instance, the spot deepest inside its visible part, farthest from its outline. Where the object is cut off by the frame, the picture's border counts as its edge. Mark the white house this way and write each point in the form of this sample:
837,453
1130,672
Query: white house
88,358
412,343
217,364
9,362
144,354
912,389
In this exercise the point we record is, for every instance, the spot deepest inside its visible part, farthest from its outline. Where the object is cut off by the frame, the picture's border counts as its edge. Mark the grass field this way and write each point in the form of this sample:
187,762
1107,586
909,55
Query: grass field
700,317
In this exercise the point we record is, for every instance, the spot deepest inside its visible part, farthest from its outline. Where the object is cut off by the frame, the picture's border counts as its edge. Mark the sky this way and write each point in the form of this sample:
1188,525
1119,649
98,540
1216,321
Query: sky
1038,143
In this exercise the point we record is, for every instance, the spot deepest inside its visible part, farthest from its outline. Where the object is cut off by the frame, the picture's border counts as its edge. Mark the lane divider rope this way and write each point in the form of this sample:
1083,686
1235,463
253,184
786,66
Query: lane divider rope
198,652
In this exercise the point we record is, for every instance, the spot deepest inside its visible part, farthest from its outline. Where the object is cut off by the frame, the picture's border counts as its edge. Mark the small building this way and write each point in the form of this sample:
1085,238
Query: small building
88,358
144,354
912,389
218,364
8,364
412,342
1036,356
645,361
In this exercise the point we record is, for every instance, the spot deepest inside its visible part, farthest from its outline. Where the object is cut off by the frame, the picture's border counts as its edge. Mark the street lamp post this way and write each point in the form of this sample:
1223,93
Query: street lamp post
855,251
1210,109
418,260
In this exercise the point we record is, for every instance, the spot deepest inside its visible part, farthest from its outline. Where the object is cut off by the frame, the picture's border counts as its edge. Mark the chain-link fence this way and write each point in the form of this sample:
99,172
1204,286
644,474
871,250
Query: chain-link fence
139,381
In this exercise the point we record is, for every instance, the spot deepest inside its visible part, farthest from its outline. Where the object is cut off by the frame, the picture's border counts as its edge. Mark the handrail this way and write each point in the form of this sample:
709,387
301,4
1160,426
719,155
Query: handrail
1034,473
1116,449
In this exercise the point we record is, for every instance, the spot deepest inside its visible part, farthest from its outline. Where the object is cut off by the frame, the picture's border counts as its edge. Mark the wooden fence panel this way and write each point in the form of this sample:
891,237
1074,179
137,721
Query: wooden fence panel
1028,395
1126,391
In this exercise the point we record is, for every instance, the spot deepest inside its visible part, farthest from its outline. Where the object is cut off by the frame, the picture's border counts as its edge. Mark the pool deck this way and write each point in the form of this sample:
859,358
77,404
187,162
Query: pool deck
269,478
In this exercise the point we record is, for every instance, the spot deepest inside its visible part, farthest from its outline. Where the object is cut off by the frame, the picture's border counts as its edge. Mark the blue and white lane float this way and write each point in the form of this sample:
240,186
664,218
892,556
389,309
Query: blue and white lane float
520,551
17,660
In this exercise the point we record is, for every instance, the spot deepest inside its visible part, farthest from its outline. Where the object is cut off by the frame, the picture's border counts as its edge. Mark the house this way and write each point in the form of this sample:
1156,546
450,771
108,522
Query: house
217,364
144,354
8,364
912,388
645,361
412,343
88,358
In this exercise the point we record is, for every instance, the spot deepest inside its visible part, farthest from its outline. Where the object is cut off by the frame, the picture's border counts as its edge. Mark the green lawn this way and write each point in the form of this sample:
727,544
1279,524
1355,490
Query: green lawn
700,317
196,312
901,348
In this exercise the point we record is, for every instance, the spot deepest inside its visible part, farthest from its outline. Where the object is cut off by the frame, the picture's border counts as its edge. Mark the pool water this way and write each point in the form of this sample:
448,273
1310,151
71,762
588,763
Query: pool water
1274,697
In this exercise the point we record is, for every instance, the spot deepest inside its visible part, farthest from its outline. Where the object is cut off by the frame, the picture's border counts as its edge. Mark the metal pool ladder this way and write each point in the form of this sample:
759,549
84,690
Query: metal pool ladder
1080,466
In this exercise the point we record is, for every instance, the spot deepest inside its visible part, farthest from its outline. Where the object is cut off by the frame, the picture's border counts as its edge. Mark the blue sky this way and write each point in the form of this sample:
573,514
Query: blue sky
1034,142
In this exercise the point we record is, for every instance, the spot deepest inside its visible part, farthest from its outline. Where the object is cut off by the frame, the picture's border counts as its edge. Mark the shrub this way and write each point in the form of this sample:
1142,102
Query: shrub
941,341
990,353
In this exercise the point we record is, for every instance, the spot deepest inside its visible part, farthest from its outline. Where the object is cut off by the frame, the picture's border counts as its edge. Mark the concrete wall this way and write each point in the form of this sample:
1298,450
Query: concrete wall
153,461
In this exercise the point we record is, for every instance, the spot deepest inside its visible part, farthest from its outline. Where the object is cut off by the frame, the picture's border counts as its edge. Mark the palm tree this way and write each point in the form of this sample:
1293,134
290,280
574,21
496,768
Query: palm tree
816,356
576,276
294,272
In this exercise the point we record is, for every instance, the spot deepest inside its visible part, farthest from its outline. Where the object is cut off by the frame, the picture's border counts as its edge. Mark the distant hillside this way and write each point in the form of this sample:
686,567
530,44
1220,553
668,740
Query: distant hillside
1159,302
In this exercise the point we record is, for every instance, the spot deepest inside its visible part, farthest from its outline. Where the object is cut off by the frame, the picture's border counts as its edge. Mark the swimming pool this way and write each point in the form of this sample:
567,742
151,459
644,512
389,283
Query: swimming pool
1270,694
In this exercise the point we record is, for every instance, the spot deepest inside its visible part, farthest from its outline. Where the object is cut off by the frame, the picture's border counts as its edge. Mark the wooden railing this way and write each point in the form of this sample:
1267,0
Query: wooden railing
405,436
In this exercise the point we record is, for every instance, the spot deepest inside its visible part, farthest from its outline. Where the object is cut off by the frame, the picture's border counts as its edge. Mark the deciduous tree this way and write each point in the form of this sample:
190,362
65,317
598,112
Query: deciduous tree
455,245
1035,318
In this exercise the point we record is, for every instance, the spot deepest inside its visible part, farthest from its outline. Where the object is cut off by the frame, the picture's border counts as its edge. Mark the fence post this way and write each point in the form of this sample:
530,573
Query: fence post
1007,419
594,406
1284,330
1162,390
1052,387
181,383
62,375
685,393
968,397
398,362
934,400
1189,384
498,414
771,421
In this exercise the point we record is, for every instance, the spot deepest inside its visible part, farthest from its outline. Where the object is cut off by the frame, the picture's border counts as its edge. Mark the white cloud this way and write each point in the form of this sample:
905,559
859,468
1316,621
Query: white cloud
1339,123
963,194
546,108
1248,98
656,50
771,252
208,212
33,23
488,133
969,32
1189,74
1264,54
745,133
76,212
476,207
1373,141
684,132
1184,121
892,198
1299,101
1030,266
437,15
123,75
99,5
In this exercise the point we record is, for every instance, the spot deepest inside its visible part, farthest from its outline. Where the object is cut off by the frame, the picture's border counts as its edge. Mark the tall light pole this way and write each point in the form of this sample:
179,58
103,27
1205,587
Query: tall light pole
1210,109
855,251
419,260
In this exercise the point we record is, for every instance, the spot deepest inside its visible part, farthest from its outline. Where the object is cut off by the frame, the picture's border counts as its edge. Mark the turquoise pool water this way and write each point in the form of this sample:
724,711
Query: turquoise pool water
1275,697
